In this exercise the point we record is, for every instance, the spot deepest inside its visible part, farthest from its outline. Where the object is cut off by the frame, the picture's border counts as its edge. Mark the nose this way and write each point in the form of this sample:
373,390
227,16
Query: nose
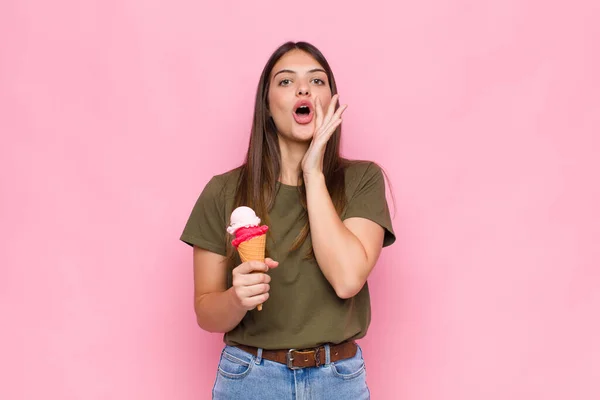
303,89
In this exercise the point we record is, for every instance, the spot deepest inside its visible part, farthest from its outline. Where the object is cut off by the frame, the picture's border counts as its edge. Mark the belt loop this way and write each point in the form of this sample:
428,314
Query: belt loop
327,354
258,359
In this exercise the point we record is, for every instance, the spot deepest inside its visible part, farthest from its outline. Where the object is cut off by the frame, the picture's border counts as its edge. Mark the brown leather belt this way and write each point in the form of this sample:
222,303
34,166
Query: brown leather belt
303,358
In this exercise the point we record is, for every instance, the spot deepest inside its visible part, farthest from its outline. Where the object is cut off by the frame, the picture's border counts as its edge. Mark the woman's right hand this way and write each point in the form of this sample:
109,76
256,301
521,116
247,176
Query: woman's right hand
251,283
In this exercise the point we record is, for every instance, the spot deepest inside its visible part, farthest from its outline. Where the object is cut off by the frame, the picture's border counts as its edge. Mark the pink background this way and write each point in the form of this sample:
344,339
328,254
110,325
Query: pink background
485,115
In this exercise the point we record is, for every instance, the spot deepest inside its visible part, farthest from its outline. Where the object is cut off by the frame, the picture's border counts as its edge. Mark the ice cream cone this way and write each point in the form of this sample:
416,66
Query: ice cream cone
250,237
253,250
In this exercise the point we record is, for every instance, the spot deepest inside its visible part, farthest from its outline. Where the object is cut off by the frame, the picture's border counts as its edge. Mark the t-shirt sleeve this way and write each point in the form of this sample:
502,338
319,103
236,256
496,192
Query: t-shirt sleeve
206,224
368,201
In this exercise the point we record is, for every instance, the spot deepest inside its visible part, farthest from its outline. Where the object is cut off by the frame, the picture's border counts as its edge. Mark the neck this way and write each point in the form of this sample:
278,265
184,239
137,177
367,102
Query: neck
291,159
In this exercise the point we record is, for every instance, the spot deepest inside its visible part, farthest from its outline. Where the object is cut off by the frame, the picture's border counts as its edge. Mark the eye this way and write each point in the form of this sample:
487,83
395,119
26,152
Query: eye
319,81
284,82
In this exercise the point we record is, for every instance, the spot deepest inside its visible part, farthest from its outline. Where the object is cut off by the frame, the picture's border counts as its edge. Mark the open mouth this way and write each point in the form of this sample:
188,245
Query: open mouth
303,112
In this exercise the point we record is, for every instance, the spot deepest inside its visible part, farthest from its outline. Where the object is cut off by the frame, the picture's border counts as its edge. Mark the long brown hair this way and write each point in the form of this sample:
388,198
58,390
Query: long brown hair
260,171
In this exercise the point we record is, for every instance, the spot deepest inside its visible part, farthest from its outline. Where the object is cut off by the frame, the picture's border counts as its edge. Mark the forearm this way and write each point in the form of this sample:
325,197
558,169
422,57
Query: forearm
218,311
339,253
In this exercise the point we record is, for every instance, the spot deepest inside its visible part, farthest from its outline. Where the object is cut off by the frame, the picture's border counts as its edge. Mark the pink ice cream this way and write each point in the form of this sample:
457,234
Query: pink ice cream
244,224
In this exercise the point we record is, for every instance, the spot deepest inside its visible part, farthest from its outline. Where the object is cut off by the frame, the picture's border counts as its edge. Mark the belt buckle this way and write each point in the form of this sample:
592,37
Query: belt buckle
290,359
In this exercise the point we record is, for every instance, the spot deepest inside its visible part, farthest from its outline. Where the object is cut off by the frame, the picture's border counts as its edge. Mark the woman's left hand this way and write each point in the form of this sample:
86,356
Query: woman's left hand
325,125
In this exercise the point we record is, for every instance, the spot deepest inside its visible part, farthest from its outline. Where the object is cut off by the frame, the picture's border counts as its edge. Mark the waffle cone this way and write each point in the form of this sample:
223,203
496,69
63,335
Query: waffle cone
253,250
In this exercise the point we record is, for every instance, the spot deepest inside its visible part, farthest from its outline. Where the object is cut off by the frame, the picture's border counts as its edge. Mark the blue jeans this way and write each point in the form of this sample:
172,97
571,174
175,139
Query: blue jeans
243,376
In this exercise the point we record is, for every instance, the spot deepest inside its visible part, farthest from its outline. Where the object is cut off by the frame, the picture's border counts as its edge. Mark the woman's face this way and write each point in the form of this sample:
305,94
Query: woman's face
297,79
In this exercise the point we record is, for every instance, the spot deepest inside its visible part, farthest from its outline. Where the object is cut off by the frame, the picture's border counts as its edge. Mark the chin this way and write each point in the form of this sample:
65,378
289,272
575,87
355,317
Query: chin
303,133
295,132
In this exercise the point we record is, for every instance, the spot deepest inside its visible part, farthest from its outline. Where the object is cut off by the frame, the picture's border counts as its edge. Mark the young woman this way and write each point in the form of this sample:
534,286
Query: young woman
328,220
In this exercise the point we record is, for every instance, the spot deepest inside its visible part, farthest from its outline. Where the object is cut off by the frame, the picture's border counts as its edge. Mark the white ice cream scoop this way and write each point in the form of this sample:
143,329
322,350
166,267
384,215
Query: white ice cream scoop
242,217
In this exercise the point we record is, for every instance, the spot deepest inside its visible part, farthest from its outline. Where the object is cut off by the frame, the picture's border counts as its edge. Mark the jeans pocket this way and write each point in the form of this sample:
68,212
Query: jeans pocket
350,367
235,363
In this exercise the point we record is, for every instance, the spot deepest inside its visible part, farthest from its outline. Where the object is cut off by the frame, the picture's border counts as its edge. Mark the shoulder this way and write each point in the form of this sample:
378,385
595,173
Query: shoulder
224,184
360,171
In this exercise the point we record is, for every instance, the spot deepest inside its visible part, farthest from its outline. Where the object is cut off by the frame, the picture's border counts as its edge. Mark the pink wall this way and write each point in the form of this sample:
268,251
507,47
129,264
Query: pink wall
485,114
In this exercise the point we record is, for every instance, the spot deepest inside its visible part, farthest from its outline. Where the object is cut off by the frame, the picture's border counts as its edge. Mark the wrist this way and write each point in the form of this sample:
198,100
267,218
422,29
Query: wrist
313,177
234,301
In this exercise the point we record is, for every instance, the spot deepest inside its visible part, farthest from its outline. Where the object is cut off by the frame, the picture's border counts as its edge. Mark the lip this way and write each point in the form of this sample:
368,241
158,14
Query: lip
303,119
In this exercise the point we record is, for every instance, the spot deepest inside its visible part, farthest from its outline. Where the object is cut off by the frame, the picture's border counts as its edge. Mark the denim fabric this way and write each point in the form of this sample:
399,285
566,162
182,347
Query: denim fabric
241,375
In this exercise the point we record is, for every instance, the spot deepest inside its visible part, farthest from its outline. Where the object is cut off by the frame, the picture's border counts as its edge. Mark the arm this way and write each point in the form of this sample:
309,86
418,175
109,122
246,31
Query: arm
217,308
345,251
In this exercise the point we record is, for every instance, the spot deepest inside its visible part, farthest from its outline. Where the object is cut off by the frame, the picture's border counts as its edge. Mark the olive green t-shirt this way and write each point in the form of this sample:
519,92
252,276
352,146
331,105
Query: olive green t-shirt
303,310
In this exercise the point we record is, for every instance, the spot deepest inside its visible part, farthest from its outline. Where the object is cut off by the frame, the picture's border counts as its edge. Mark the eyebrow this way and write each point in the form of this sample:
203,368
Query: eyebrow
293,72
